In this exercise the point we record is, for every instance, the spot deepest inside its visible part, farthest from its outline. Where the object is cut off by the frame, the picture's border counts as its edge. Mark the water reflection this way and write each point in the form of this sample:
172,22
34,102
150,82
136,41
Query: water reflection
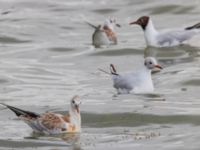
153,97
69,138
173,55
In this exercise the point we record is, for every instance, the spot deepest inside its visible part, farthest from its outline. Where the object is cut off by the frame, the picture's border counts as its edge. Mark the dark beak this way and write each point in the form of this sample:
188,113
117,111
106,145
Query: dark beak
134,22
158,66
118,25
77,108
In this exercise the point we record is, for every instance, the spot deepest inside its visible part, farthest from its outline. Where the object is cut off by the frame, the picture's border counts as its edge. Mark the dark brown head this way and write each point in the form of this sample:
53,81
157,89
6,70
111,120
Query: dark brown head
142,21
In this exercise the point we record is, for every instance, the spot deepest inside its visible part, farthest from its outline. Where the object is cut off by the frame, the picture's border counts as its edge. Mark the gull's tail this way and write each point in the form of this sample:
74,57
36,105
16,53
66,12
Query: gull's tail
85,20
196,26
92,25
20,112
113,71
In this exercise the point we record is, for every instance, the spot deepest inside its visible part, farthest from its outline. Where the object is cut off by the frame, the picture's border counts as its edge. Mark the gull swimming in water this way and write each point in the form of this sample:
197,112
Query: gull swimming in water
138,82
104,34
165,38
52,123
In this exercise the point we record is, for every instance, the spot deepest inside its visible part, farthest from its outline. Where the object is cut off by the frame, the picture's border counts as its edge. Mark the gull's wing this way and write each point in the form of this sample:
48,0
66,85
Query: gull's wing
47,122
123,81
110,34
22,113
173,37
196,26
53,121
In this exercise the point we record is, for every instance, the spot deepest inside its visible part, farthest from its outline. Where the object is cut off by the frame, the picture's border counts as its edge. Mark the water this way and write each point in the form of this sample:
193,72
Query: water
46,57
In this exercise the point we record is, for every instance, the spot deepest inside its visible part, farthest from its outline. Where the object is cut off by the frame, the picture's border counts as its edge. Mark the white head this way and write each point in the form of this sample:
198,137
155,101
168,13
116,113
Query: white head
74,112
75,104
111,23
151,63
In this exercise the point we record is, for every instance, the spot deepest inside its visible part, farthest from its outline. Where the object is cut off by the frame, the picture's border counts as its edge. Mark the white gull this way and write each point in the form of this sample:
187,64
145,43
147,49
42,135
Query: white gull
165,38
138,82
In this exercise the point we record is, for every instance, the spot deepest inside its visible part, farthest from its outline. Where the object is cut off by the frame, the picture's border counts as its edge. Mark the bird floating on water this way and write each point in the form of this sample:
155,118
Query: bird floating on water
165,38
138,82
52,123
104,34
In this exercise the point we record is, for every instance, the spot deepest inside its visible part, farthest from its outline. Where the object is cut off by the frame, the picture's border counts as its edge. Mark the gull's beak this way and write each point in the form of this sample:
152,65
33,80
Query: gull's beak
118,25
77,108
158,66
134,22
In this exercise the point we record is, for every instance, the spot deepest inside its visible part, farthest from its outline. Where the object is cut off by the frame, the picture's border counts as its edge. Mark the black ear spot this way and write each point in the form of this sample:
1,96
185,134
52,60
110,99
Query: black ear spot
145,63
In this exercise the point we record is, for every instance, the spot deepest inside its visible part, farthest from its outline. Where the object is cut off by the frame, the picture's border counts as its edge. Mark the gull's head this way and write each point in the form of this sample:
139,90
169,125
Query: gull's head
75,103
142,21
111,23
151,63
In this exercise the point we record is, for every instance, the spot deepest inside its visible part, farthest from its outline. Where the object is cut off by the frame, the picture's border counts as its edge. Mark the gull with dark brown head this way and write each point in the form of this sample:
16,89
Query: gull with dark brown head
50,122
104,34
166,38
138,82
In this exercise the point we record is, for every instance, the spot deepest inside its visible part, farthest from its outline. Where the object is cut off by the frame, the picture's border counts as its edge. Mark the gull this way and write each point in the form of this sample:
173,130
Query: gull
104,34
165,38
52,123
138,82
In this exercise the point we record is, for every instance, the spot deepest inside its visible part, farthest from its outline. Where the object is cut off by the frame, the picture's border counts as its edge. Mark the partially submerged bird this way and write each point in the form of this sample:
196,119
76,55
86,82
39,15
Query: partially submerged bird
138,82
104,34
52,123
165,38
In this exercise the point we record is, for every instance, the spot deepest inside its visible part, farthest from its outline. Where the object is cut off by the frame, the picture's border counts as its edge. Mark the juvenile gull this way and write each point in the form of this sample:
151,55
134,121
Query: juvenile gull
104,34
52,123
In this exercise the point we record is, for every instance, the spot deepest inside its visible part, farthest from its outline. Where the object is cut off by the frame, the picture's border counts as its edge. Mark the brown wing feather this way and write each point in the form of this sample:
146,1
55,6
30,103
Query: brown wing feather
52,120
110,34
57,121
66,118
70,127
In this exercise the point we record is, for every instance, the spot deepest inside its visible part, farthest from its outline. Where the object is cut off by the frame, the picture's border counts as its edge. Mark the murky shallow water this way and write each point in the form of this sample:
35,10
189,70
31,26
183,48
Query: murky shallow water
46,57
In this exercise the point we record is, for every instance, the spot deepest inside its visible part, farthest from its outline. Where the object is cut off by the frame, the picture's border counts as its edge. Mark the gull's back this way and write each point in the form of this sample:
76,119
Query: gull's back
124,83
172,38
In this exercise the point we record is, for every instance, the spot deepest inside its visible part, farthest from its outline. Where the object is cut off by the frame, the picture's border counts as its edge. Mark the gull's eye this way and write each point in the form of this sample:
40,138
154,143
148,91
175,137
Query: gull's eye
73,102
150,63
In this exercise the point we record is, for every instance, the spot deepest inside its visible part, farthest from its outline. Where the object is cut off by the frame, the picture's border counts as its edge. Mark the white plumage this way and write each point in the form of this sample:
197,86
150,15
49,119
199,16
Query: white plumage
138,82
168,38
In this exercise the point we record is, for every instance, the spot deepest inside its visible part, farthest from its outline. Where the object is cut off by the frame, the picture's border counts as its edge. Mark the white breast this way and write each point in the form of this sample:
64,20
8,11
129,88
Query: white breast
100,38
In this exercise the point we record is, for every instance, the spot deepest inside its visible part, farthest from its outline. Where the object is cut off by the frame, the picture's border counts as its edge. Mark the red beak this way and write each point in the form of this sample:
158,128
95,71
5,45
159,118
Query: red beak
158,66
